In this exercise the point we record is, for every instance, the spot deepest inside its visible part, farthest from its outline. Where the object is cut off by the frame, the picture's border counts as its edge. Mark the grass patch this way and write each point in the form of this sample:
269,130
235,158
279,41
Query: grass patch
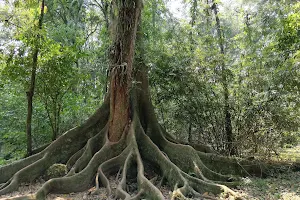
283,186
291,154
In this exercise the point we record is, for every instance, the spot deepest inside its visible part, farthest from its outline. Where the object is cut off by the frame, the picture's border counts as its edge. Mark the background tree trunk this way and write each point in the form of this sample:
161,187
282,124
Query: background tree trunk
30,93
227,116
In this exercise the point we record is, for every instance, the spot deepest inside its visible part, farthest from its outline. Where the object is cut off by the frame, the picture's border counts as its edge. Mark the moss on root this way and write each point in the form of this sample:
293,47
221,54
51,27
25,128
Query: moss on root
55,171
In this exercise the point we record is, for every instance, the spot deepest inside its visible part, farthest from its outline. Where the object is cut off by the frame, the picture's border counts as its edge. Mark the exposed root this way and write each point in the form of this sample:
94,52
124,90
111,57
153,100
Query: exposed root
232,165
74,158
7,171
121,188
108,166
27,174
191,164
178,170
91,162
82,180
146,185
28,169
91,147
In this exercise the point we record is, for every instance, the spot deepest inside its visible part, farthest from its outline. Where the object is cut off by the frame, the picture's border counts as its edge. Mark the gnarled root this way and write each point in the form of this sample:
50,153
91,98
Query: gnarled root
184,184
91,163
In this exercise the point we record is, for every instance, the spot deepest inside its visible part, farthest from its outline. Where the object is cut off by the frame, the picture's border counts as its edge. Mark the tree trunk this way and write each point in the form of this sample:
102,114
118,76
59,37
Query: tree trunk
190,133
193,12
121,66
30,93
227,116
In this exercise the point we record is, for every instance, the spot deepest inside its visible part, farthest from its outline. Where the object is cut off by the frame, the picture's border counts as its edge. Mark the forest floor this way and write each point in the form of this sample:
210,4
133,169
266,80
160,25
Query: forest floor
283,186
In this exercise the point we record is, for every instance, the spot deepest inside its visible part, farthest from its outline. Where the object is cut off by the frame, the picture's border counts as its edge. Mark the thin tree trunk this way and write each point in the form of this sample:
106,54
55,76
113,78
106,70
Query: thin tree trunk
55,124
248,28
154,9
190,133
207,13
193,21
30,93
228,126
194,12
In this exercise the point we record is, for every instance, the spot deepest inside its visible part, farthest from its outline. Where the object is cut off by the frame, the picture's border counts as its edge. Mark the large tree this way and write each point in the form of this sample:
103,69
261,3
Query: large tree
123,137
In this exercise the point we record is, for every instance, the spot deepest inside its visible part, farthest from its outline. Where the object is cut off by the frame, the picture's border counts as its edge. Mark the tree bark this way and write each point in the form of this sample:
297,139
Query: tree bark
30,93
124,35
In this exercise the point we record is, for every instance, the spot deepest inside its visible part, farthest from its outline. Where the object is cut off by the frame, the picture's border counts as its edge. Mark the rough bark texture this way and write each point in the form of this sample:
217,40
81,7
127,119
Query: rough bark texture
120,138
127,21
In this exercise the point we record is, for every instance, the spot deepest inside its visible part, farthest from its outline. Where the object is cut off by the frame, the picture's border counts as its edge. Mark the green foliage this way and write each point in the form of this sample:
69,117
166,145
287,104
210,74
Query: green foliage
12,118
291,152
289,37
69,77
186,79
